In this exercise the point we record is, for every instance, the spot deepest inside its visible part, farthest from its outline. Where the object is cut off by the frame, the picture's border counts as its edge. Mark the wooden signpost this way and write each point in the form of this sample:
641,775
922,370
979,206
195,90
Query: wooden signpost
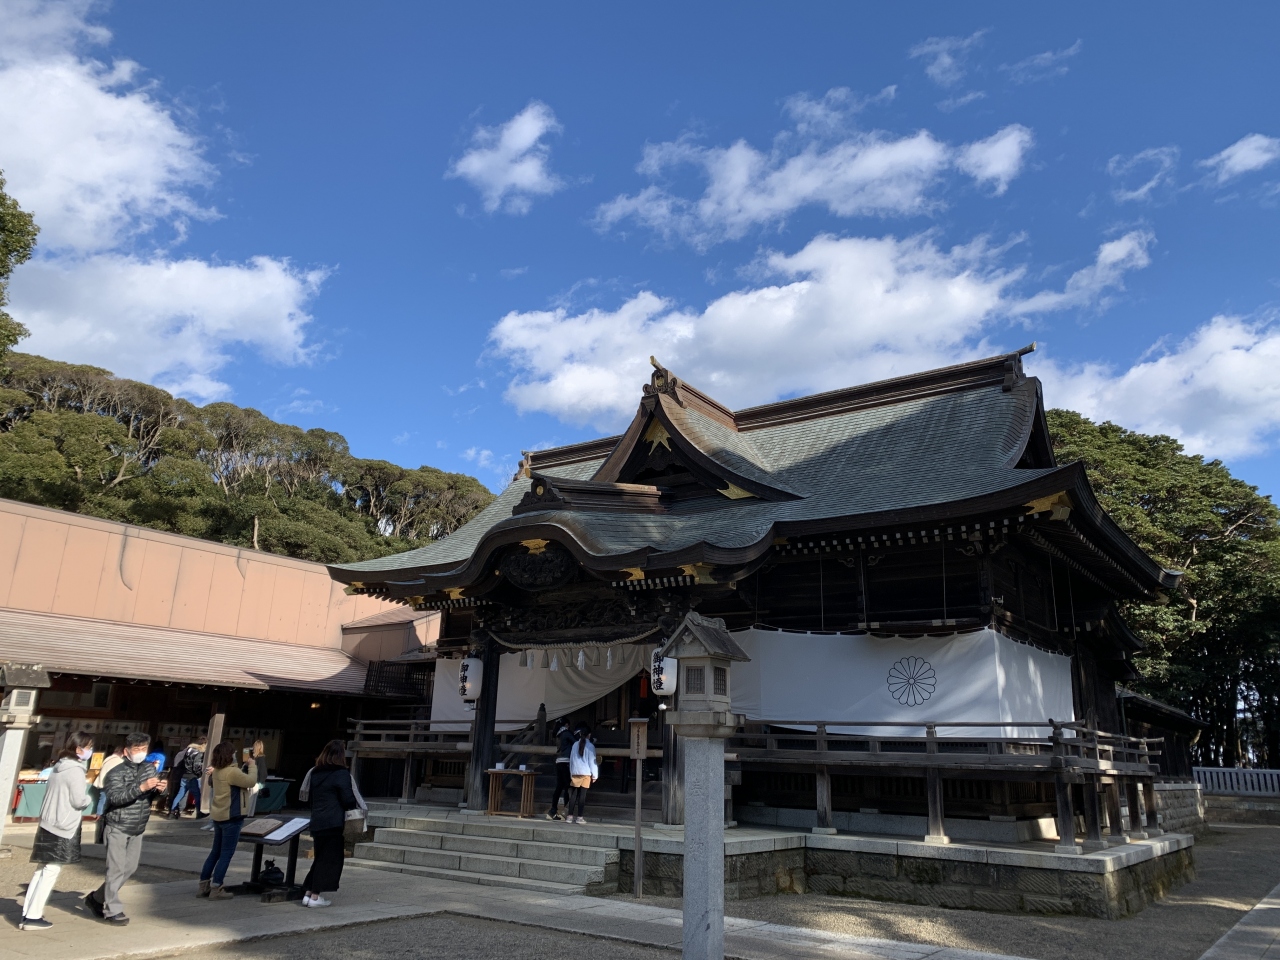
639,744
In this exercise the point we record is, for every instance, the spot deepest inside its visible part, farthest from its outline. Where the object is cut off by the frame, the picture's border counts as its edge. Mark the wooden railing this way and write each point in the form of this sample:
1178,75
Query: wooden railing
1238,781
1069,745
399,738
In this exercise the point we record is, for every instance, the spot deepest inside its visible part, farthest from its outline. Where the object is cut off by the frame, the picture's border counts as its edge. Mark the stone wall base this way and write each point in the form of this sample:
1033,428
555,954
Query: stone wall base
1181,807
957,878
1264,810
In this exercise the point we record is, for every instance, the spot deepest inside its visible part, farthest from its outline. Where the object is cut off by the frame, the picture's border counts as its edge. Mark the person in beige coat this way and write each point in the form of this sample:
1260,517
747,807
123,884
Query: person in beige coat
230,788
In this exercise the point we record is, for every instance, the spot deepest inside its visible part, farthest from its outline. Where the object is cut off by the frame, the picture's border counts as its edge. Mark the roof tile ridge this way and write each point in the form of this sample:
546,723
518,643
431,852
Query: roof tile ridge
1005,369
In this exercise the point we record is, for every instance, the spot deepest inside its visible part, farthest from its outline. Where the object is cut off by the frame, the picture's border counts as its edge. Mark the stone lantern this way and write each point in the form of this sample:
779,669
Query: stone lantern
20,683
704,651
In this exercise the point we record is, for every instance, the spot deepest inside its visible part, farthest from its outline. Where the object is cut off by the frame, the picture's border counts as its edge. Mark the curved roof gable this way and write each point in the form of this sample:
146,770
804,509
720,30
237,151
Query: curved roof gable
691,481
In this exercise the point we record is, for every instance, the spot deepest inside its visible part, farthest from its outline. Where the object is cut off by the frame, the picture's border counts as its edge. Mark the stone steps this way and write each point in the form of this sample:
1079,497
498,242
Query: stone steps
476,849
459,876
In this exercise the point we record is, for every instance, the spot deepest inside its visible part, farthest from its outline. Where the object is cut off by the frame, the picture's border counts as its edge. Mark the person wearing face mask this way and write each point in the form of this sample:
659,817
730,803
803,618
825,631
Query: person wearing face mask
130,787
58,837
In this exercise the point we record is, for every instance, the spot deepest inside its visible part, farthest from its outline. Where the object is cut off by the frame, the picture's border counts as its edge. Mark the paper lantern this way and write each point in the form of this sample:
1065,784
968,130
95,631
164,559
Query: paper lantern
662,674
470,676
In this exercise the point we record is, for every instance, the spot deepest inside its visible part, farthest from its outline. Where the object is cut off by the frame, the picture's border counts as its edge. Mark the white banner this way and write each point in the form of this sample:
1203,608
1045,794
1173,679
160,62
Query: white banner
974,677
522,689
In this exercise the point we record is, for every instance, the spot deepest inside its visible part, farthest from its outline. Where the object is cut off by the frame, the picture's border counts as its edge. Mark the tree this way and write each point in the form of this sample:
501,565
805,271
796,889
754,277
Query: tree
1213,645
17,239
78,438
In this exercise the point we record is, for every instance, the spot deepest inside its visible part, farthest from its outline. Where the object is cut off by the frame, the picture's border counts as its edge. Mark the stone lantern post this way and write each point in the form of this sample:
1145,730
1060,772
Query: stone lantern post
21,682
705,651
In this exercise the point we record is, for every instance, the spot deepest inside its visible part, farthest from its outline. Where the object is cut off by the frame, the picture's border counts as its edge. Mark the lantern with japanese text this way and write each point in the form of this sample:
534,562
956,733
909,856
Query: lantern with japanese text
470,677
662,674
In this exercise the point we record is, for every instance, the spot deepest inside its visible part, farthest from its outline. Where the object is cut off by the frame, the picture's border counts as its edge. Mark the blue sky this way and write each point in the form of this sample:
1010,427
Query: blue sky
456,234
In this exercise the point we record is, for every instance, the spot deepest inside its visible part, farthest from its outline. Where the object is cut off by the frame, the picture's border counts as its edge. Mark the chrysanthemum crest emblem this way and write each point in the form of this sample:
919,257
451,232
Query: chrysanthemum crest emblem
912,681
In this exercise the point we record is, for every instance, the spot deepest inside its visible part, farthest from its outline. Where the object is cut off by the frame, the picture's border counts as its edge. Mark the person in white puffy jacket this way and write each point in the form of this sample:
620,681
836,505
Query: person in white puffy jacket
583,772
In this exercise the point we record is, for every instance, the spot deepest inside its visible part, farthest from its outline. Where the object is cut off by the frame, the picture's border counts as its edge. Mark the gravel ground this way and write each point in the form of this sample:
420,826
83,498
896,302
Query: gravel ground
16,871
1235,868
455,938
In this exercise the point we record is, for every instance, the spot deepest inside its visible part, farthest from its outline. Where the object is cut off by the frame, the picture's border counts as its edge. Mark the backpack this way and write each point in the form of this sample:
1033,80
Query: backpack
193,762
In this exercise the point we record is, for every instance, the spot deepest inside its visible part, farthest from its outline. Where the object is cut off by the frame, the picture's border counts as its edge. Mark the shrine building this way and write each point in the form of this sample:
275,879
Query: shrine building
929,602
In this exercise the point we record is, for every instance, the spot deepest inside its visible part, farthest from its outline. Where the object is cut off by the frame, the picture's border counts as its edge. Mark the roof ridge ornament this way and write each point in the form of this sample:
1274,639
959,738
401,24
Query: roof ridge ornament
662,381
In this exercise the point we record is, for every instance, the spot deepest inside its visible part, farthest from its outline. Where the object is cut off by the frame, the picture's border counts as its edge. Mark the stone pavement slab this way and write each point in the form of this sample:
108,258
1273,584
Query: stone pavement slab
1255,937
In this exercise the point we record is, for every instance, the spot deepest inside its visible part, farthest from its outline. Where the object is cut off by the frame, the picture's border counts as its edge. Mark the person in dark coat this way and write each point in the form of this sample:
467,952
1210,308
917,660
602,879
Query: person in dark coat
130,787
564,740
58,837
329,789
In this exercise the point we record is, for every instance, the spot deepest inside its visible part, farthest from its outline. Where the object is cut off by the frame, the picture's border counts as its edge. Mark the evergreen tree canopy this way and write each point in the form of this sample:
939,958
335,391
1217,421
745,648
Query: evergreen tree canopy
17,239
78,438
1215,646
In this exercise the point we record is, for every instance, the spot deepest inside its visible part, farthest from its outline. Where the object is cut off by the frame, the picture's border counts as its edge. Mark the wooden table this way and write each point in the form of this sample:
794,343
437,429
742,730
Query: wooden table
527,778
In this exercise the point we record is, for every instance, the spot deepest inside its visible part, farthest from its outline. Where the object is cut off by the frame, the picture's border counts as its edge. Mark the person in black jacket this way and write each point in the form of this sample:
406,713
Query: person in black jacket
328,787
130,787
564,740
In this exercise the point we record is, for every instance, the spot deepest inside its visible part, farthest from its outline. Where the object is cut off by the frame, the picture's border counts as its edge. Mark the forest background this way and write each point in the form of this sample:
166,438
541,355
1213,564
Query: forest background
79,438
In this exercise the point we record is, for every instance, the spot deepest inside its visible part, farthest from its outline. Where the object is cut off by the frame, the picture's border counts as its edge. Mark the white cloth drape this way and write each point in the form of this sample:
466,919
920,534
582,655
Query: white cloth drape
522,689
976,677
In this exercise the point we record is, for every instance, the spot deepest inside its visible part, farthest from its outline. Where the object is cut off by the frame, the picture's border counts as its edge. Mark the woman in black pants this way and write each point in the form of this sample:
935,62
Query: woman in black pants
328,787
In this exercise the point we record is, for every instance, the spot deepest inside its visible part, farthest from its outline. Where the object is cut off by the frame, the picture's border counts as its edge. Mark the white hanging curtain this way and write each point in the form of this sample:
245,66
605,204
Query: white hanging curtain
520,691
979,676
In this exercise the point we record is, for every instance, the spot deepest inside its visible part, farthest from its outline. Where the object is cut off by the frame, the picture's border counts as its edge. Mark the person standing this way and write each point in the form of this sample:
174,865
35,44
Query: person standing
583,772
564,740
58,837
130,787
331,793
188,766
229,786
117,756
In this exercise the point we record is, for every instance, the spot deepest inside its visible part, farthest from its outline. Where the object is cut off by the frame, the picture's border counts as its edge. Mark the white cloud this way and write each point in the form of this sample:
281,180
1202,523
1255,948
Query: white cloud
998,159
1091,285
842,310
820,162
1042,66
88,149
170,322
831,112
1246,155
951,104
1216,391
946,57
508,164
104,164
1144,173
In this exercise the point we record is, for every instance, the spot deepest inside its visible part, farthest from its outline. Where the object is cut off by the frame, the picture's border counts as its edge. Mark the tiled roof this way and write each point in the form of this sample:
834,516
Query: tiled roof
903,448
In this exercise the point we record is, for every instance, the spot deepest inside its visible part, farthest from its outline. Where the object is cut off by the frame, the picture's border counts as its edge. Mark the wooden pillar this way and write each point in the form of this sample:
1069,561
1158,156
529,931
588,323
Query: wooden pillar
217,723
1066,817
933,792
1092,817
1135,811
406,780
672,777
1149,801
823,782
1116,834
483,726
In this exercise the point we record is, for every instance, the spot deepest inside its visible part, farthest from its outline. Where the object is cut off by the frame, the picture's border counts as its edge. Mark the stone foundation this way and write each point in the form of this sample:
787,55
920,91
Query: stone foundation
1111,884
1264,810
746,875
1181,807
